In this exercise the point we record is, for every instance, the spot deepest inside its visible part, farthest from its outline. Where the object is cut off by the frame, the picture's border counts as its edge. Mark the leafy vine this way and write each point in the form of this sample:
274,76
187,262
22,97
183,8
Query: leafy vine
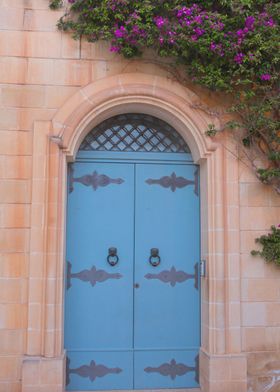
230,46
270,246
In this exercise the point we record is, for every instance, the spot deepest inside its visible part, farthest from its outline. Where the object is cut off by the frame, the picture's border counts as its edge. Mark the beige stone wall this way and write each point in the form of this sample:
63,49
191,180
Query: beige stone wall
260,289
40,69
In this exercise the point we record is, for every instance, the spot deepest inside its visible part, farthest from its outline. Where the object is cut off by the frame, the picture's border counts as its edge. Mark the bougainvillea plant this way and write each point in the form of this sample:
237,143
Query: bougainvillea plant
270,246
225,45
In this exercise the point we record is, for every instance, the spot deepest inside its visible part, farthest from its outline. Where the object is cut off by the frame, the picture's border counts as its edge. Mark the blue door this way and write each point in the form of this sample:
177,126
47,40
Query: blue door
166,304
99,296
132,284
132,304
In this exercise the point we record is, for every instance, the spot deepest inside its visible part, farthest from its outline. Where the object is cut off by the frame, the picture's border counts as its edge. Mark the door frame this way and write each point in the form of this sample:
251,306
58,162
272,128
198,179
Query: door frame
56,142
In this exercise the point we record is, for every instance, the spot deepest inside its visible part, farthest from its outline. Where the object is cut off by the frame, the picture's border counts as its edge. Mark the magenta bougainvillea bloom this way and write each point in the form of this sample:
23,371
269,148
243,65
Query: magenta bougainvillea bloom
249,22
239,58
265,76
270,22
231,49
120,33
114,49
160,21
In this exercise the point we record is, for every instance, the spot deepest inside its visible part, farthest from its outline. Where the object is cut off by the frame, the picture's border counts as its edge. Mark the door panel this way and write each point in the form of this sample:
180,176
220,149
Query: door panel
166,307
165,369
99,370
118,337
99,297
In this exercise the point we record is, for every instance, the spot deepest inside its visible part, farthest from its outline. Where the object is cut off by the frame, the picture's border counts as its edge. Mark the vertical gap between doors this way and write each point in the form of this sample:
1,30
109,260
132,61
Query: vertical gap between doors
134,262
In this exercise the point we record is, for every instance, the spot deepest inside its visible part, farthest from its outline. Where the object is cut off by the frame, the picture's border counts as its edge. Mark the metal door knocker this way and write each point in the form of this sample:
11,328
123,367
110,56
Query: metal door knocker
112,257
154,259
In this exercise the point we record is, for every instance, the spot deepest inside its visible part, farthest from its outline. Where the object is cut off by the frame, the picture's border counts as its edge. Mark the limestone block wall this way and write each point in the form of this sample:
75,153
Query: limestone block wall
40,68
260,289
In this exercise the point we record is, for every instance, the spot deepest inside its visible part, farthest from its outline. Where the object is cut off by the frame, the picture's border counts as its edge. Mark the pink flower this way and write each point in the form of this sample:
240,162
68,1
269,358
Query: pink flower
239,58
265,76
198,31
135,29
160,21
270,22
198,19
249,22
114,49
119,33
184,11
240,33
134,15
213,46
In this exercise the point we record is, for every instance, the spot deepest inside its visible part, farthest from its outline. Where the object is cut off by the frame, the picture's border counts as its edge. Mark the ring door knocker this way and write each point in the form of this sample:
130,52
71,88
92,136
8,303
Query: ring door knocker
154,259
112,257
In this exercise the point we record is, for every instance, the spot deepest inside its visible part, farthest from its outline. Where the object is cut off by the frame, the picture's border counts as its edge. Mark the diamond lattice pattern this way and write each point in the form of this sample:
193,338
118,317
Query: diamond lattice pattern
134,132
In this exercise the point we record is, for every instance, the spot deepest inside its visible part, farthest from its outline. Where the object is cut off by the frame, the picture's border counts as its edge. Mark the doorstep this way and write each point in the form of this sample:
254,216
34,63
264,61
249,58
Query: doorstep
150,390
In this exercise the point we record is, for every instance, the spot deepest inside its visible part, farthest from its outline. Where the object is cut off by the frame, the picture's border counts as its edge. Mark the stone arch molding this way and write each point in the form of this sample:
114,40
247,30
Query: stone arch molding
55,143
138,93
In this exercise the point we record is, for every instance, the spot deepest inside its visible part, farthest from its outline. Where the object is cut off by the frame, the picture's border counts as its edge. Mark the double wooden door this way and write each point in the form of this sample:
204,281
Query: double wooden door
132,281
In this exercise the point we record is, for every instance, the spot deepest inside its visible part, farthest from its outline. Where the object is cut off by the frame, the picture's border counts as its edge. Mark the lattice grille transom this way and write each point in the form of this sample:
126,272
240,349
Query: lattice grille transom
134,132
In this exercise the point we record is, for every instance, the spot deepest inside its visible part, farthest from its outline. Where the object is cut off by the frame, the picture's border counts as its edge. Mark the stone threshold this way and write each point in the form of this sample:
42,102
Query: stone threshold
149,390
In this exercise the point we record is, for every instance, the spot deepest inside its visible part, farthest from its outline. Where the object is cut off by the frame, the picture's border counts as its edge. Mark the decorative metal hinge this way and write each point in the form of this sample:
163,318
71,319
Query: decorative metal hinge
203,268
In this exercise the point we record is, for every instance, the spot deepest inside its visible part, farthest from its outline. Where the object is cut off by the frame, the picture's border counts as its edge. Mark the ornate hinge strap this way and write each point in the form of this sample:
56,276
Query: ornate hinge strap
91,371
174,369
173,182
94,180
92,276
173,276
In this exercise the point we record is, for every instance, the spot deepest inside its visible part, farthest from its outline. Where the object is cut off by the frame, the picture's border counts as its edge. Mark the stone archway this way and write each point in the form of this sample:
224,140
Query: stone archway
57,142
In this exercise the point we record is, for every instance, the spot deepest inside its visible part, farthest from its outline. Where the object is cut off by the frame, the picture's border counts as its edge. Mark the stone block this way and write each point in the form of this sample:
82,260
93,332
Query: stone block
15,167
42,44
260,339
13,70
29,4
13,316
12,342
56,97
10,368
70,48
10,386
11,18
23,96
13,291
14,215
254,195
263,372
260,289
258,218
15,191
254,314
13,265
12,43
41,20
15,143
14,240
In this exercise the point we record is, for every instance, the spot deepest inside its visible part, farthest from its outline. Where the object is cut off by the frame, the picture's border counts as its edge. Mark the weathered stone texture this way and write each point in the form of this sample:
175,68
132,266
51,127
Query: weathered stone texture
40,70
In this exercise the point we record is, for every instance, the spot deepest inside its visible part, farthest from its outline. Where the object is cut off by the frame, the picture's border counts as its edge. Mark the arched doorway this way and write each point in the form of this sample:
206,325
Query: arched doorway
132,313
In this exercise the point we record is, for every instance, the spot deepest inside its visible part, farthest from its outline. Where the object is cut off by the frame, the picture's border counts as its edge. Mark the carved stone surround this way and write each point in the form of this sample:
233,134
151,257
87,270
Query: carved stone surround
222,365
